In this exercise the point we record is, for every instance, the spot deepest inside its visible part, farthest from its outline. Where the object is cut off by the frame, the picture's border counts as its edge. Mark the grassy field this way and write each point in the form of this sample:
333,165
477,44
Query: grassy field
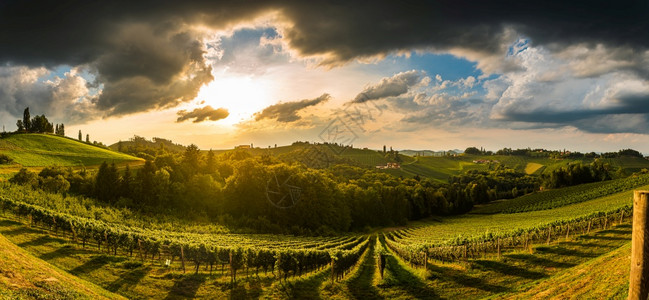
23,276
35,151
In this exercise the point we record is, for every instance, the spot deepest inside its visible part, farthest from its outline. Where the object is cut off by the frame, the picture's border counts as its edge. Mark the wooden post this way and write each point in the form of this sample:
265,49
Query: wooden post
332,270
525,245
498,248
568,232
426,259
605,220
621,217
139,246
549,234
589,222
639,277
182,257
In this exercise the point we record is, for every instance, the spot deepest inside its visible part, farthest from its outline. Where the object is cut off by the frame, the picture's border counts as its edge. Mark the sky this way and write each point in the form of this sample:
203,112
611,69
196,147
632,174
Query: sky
433,75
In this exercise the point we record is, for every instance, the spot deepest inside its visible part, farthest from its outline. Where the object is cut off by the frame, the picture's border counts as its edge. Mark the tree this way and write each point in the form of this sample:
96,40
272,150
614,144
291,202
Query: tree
20,125
27,120
60,130
107,182
87,138
25,177
79,135
472,150
126,183
56,184
191,159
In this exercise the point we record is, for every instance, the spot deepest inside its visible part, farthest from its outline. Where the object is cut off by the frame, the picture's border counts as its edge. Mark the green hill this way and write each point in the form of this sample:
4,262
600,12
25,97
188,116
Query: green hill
40,150
23,276
434,167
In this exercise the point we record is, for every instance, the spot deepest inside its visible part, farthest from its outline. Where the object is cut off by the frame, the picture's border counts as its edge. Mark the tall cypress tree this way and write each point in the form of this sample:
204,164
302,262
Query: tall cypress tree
27,120
80,136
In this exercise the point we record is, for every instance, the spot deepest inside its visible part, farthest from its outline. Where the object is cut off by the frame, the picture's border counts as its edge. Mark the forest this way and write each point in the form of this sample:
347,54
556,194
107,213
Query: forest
235,189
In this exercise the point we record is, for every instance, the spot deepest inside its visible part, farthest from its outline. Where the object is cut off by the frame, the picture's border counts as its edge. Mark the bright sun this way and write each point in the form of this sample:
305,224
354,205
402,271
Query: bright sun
241,96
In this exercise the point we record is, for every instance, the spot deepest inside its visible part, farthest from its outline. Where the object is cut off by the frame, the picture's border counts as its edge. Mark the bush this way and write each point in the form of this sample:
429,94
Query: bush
4,159
25,177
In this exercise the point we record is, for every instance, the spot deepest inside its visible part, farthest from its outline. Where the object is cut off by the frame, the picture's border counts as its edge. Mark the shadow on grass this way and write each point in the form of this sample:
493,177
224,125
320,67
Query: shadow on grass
65,250
557,250
19,231
587,245
361,286
252,291
96,263
128,279
7,223
507,269
41,241
408,282
608,238
618,230
448,274
539,261
186,286
307,288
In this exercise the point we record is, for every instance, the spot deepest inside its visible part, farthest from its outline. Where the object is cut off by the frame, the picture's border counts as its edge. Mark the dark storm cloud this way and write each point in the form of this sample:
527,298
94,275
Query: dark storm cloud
287,112
206,113
148,55
366,29
629,115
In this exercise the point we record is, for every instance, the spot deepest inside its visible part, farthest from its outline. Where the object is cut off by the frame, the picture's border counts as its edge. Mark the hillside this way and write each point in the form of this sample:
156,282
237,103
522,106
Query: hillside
434,167
23,276
40,150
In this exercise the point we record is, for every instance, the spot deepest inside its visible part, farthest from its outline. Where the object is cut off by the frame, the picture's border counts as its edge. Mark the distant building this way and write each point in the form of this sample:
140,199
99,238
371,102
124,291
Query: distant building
242,147
485,161
390,165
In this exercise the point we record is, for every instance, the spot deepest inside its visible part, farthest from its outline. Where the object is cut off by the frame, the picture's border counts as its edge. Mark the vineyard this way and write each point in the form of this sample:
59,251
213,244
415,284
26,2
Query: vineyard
565,196
393,263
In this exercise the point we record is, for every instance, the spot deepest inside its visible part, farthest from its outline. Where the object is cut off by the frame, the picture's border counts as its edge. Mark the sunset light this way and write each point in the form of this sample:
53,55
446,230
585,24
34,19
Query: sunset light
435,149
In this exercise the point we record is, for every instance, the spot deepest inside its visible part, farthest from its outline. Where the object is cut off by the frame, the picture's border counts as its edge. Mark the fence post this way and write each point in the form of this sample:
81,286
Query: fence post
639,277
498,246
182,258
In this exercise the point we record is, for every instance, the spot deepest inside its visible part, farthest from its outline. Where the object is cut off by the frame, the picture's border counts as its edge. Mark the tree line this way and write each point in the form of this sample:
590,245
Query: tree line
233,189
38,124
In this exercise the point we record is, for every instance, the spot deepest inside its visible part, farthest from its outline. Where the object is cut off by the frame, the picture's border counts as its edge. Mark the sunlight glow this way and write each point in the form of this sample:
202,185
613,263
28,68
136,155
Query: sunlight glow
241,96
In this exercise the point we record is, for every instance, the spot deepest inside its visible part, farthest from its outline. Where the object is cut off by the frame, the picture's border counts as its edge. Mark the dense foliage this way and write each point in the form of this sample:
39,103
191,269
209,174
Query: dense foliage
235,189
577,173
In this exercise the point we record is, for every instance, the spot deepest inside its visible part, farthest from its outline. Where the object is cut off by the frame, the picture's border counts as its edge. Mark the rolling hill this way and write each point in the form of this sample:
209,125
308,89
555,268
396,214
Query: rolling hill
41,150
434,167
23,276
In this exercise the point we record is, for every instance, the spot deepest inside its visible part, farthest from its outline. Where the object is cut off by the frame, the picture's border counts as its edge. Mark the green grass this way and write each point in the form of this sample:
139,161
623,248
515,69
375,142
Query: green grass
563,196
445,229
41,150
532,167
23,276
588,266
606,277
